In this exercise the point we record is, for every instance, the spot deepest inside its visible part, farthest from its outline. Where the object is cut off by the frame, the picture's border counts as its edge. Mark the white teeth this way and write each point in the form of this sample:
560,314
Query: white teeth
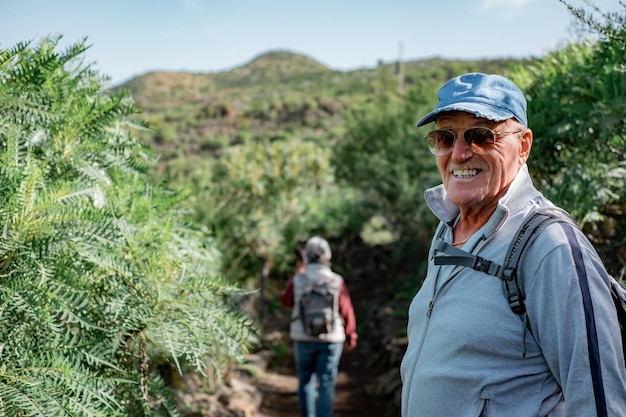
464,173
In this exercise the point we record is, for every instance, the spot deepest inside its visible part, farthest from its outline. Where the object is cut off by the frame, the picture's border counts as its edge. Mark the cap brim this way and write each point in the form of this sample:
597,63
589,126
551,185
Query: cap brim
478,109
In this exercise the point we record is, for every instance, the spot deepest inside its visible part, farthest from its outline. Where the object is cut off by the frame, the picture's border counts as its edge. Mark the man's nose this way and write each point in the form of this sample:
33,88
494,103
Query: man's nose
460,150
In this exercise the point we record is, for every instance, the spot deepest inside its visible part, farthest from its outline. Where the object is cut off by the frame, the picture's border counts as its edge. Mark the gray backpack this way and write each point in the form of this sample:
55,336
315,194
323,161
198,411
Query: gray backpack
317,307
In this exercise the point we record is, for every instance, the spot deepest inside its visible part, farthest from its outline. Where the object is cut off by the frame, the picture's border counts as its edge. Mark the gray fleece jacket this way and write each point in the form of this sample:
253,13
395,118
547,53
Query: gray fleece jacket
465,350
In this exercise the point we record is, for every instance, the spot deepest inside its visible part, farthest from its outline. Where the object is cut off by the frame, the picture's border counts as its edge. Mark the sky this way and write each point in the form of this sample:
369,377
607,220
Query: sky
133,37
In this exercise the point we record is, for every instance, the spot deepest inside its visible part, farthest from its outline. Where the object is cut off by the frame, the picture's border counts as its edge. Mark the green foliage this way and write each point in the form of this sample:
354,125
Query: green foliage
579,149
383,156
302,109
583,135
263,197
101,276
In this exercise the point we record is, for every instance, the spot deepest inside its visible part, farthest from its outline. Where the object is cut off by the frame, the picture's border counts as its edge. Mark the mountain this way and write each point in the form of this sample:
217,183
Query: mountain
279,64
278,94
270,68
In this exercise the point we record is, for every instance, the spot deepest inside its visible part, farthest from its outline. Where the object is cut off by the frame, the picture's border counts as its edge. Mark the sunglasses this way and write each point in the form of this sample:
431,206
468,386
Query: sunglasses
480,140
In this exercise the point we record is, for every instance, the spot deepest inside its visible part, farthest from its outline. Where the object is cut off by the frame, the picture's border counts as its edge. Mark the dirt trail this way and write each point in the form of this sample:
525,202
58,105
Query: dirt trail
280,398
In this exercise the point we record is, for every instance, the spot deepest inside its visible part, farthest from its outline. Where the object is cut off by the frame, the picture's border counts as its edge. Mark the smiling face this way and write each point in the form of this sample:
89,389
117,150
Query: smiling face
476,182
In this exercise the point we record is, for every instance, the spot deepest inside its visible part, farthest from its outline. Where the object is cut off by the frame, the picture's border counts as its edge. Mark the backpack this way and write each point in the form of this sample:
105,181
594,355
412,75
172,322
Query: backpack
512,280
317,307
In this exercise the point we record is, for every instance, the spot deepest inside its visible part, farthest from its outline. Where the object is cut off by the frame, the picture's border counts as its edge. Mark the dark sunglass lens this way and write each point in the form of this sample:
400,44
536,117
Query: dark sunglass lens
445,139
479,138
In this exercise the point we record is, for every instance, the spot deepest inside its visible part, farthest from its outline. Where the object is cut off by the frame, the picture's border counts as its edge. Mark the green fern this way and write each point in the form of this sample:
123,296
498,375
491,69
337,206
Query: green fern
101,276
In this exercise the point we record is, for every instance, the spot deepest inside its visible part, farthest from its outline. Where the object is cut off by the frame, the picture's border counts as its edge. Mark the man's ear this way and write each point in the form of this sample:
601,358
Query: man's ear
526,143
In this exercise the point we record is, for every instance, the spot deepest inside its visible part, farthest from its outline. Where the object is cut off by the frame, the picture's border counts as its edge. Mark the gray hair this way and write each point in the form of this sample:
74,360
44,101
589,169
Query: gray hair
318,251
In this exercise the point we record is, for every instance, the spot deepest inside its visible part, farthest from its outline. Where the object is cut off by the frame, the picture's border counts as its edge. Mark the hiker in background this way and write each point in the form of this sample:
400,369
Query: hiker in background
317,354
468,353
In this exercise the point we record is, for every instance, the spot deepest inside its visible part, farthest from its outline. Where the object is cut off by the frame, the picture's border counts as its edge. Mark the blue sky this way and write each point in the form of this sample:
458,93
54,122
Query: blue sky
132,37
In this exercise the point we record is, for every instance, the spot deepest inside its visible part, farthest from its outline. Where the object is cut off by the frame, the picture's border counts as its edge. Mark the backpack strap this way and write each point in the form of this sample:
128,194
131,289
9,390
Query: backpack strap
456,256
296,309
512,281
525,235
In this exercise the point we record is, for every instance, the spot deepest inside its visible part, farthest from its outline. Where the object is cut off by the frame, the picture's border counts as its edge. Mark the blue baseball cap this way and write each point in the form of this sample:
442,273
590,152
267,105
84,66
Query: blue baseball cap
488,96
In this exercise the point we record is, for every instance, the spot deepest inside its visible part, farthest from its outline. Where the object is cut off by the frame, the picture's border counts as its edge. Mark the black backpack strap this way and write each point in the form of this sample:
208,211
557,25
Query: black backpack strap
527,233
455,256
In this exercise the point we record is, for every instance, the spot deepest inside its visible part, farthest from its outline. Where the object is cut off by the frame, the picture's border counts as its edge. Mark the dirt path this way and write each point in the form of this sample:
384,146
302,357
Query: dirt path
280,398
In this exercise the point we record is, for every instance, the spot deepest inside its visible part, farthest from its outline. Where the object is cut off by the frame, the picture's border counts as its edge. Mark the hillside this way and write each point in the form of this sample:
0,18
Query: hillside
273,66
276,95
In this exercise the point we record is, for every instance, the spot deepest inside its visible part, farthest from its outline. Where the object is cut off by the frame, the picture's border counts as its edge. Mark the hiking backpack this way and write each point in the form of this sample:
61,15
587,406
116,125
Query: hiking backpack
317,307
512,278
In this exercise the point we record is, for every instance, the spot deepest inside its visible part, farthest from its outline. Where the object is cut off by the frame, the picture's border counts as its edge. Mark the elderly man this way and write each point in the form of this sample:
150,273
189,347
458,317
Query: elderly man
469,354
